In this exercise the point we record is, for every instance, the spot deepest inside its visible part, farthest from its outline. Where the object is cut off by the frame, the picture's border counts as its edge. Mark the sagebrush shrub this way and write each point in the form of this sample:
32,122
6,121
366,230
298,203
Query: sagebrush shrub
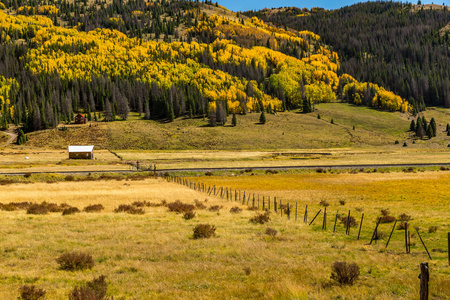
130,209
94,208
204,231
404,217
70,211
93,290
260,218
31,292
37,209
342,202
270,231
73,261
199,205
324,203
235,210
345,273
215,207
189,215
432,229
352,221
180,207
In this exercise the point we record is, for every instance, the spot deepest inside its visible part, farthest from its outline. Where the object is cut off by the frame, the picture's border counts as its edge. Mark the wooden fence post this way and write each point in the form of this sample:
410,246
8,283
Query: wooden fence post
448,248
423,244
305,217
335,221
289,211
295,211
324,223
269,202
375,231
264,203
424,278
275,203
347,230
406,237
393,227
315,217
360,225
281,207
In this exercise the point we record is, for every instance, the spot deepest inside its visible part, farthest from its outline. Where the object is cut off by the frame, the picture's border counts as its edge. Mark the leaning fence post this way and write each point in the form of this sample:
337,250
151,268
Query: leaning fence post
315,217
393,227
424,278
375,231
360,225
417,229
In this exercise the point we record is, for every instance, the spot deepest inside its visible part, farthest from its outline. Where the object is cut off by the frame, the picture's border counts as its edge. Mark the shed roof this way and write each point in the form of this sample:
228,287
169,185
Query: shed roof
81,148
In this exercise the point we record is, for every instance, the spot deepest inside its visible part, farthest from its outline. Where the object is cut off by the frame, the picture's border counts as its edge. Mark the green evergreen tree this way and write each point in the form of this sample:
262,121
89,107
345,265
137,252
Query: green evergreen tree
429,132
307,108
412,126
433,127
262,118
234,120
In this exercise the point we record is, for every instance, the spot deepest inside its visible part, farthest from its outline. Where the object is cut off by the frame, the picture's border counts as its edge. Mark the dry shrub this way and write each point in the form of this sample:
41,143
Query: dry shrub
37,209
345,273
387,219
320,170
249,170
432,229
11,206
130,209
342,202
270,231
73,261
94,208
27,175
351,220
271,172
235,210
215,207
404,217
189,215
199,205
70,211
31,292
209,173
93,290
69,178
260,218
202,231
247,271
252,208
401,225
180,207
385,212
324,203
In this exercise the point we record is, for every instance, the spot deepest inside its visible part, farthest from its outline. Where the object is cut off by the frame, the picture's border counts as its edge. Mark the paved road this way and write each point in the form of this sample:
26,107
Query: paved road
280,168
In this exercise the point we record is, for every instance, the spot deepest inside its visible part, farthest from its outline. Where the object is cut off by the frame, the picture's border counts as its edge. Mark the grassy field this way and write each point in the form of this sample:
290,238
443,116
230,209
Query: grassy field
154,256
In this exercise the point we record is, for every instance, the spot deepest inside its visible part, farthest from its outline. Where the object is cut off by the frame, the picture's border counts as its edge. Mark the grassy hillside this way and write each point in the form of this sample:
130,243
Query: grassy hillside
285,130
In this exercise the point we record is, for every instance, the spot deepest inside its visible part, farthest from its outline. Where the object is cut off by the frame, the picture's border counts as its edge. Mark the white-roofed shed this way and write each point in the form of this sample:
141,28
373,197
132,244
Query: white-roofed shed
81,152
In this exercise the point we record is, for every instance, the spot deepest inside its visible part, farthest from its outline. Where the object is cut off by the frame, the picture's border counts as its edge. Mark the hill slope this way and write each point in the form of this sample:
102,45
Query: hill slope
398,46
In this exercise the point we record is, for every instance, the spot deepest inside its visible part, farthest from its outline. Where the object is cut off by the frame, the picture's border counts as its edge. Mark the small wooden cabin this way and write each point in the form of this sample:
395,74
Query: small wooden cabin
81,152
80,119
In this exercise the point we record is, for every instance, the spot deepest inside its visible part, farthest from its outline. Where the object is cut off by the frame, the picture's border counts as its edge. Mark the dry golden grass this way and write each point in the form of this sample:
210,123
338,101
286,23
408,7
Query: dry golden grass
153,256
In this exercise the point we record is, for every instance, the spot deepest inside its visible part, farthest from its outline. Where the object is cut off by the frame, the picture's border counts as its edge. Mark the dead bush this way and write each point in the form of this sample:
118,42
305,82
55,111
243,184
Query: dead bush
235,210
37,209
252,208
215,208
31,292
69,178
70,211
93,290
130,209
385,212
189,215
404,217
387,219
199,205
352,221
342,202
202,231
345,273
402,225
180,207
27,175
432,229
209,173
271,172
270,231
73,261
261,218
94,208
379,235
324,203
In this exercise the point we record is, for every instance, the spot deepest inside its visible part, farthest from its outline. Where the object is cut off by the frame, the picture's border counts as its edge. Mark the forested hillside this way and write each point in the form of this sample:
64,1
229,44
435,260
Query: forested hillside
402,47
162,59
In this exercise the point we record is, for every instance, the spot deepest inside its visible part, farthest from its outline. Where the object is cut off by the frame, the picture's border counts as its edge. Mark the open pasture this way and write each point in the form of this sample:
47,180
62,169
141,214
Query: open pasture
153,256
